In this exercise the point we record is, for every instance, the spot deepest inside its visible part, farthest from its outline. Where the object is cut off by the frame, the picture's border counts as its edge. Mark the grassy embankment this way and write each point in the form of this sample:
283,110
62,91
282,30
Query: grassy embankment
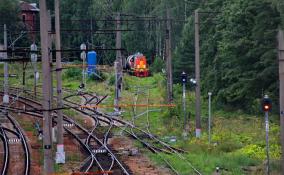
238,140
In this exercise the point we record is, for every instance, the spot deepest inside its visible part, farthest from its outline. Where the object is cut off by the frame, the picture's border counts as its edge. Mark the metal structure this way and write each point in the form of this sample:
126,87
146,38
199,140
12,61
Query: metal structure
197,77
266,107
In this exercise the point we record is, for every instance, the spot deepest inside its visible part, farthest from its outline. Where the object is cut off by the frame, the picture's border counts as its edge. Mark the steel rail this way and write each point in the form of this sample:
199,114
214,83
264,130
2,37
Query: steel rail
84,130
4,138
150,136
24,144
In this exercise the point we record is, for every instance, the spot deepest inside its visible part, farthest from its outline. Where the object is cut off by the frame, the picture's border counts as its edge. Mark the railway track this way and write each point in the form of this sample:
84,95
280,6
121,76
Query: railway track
4,139
85,145
143,136
155,149
6,135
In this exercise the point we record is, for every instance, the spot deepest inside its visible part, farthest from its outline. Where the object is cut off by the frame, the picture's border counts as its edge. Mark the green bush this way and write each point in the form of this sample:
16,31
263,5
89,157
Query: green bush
157,65
73,73
253,151
111,80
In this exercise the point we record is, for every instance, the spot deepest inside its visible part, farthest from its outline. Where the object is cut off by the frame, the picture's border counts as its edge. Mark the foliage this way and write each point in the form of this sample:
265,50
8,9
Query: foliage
73,73
111,80
157,65
9,15
238,53
97,76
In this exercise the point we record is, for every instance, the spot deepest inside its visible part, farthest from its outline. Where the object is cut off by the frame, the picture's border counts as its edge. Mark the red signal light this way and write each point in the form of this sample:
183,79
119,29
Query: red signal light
266,104
266,107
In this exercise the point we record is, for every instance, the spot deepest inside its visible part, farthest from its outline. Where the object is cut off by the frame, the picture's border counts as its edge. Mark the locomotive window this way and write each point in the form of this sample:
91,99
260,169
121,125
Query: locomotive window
24,17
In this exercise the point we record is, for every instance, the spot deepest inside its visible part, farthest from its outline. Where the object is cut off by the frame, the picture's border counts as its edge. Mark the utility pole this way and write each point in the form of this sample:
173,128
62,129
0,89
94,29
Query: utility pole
169,59
60,154
197,76
47,144
6,73
118,64
185,8
50,40
281,90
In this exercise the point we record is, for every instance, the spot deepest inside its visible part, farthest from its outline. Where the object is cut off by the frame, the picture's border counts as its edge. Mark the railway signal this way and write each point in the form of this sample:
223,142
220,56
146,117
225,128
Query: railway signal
184,80
83,56
33,48
266,107
6,71
266,104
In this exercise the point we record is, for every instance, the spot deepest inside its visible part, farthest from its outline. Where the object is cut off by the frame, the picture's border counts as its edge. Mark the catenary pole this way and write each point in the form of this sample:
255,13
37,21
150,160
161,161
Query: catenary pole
118,64
50,41
47,144
169,59
60,154
197,77
281,91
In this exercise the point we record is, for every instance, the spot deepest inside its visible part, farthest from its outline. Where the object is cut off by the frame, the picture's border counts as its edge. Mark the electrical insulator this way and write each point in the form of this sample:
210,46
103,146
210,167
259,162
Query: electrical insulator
83,47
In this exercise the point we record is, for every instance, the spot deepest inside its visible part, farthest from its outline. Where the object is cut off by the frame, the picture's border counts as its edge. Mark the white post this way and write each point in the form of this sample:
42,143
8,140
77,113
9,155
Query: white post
34,63
6,71
267,142
209,117
83,56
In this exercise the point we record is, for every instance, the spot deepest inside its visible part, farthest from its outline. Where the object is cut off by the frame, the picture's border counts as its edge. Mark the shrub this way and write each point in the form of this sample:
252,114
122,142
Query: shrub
111,80
73,73
157,65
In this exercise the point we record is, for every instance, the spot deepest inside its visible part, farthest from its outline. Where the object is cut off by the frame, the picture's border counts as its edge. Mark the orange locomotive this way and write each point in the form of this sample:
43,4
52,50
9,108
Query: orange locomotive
137,64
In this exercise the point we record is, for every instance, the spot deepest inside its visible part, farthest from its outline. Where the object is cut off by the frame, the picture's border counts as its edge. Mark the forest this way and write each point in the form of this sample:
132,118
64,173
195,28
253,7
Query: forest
238,40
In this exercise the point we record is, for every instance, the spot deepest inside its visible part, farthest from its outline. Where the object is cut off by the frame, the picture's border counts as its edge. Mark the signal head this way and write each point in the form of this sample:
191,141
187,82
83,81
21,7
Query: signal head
266,104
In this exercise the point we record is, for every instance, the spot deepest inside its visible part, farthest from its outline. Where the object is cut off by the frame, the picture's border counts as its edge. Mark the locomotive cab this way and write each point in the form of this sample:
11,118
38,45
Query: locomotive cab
137,64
